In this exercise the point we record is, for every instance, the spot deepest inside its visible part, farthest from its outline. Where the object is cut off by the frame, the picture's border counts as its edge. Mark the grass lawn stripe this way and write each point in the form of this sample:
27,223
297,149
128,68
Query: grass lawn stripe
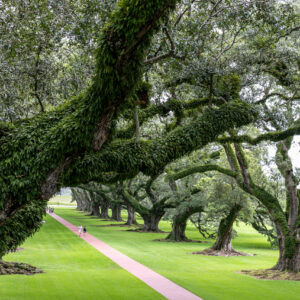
73,270
212,278
159,283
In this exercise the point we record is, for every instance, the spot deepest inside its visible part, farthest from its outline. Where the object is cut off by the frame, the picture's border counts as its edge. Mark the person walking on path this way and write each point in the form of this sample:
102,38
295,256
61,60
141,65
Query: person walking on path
84,229
79,230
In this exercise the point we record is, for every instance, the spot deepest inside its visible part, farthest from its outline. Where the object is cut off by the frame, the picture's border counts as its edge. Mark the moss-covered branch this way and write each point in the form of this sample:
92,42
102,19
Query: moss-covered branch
151,157
134,203
176,106
201,169
36,152
270,136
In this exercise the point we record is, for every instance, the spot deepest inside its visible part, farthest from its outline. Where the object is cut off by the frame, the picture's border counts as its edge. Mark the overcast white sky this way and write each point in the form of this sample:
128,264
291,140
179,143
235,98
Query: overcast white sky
294,151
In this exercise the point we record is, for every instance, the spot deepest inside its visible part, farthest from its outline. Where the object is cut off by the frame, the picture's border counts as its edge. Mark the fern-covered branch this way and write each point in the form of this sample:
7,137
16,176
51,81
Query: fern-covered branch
270,136
127,157
201,169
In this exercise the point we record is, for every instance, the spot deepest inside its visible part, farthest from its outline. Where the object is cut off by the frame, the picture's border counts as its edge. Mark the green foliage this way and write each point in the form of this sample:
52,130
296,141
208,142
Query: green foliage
163,109
229,86
37,146
24,224
129,158
209,66
143,92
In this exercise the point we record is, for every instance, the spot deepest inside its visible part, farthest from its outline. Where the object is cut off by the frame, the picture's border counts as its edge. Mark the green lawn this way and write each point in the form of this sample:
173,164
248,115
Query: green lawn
61,200
73,270
208,277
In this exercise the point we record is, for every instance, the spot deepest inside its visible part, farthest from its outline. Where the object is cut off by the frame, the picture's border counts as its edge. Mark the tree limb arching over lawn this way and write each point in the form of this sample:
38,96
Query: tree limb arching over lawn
71,144
35,152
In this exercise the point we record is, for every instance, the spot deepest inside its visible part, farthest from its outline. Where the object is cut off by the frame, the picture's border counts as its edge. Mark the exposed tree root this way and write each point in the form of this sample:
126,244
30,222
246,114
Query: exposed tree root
272,274
211,252
12,268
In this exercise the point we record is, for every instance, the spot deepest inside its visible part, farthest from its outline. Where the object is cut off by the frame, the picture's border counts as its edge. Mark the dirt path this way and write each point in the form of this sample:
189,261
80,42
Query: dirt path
162,285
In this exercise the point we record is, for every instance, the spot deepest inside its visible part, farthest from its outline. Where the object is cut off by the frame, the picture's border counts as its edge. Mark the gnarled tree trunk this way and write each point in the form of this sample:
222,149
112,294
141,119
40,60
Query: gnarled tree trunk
151,221
290,263
178,231
184,211
223,242
104,209
289,251
131,220
116,212
86,206
95,209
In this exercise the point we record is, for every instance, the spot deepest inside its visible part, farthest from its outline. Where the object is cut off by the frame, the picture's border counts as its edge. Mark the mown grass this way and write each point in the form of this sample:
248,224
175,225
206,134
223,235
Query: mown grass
61,200
73,270
209,277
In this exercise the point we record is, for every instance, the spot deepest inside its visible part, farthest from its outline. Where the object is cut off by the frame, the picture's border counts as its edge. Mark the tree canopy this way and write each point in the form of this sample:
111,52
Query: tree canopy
161,81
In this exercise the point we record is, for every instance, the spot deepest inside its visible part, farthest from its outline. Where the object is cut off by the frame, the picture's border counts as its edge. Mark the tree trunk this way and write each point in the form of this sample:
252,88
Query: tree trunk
289,251
116,212
95,209
79,204
104,210
151,222
86,206
184,211
131,216
178,231
291,263
76,197
223,242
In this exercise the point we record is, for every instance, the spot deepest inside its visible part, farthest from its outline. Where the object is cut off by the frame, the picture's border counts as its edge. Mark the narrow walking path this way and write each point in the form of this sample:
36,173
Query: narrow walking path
162,285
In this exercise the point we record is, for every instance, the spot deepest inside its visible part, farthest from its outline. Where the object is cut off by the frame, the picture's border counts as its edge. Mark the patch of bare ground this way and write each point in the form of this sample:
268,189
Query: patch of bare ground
223,253
13,268
272,274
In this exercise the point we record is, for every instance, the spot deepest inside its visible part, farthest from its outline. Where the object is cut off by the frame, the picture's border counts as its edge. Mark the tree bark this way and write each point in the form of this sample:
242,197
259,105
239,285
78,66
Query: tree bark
291,263
286,226
86,203
79,204
86,207
223,242
95,209
180,220
76,197
289,251
104,210
151,222
178,231
116,212
131,220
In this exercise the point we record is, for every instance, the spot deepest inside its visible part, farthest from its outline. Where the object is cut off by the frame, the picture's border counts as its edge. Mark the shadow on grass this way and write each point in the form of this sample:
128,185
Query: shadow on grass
187,241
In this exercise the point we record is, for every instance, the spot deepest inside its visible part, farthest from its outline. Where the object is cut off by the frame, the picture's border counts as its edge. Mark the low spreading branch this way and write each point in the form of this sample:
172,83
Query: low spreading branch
270,136
150,157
